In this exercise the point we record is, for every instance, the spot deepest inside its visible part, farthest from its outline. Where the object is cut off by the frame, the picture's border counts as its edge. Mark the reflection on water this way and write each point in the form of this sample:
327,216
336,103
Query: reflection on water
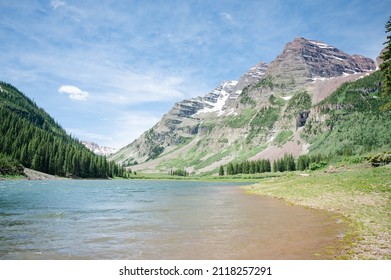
155,220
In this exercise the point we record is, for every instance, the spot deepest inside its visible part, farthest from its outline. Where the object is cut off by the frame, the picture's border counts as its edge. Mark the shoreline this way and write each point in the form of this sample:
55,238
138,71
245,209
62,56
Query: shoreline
360,194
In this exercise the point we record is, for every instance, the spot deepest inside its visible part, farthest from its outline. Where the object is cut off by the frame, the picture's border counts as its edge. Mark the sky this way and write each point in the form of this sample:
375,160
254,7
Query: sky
108,70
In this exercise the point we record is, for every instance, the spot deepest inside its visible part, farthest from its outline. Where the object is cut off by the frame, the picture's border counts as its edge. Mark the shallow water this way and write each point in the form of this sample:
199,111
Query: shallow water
139,219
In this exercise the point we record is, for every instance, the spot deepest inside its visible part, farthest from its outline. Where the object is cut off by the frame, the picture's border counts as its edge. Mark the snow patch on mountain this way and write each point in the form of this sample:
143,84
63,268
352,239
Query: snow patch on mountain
99,150
215,101
320,44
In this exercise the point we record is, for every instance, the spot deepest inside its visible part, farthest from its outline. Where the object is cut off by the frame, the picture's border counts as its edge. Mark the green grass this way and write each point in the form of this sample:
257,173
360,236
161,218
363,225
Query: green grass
252,178
283,137
360,193
11,177
241,120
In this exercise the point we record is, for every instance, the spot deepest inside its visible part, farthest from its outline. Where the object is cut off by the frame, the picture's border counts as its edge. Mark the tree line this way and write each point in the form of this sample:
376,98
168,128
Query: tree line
246,167
178,172
286,163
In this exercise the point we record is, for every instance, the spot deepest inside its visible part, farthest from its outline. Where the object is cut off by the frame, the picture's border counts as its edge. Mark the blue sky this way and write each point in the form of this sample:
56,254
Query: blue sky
108,70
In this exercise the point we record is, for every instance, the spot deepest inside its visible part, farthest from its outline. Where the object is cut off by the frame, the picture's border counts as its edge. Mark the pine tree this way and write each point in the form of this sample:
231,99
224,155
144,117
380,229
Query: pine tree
289,162
275,167
281,165
230,169
236,168
221,171
385,67
251,167
239,169
302,163
245,167
268,167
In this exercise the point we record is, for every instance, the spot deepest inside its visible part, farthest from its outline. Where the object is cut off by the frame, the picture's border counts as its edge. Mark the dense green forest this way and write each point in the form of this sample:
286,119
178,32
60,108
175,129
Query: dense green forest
30,137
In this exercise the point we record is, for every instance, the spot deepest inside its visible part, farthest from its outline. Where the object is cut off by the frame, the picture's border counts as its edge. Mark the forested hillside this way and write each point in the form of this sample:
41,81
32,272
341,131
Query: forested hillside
30,137
350,121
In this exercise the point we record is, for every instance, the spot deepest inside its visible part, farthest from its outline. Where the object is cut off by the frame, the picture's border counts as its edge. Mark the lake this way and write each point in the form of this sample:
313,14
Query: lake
151,219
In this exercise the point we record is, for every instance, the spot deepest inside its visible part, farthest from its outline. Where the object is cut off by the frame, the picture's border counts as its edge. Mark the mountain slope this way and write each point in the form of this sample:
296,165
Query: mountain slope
350,121
29,136
259,116
184,121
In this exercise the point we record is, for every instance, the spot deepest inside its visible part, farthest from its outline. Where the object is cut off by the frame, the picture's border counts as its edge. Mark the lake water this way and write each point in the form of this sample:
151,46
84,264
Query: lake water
136,219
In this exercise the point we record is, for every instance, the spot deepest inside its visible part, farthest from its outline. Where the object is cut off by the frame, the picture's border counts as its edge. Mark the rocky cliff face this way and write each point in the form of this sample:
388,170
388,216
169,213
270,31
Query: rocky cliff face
304,60
245,118
379,59
252,76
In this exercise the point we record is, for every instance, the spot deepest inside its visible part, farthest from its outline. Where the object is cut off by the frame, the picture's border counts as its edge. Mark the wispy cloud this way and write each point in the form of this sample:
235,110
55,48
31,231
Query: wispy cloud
74,92
55,4
227,17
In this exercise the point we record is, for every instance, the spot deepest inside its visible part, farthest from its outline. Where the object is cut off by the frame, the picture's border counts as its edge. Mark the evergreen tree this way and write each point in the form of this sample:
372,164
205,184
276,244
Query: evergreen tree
221,171
230,169
385,67
289,163
245,167
258,166
275,167
281,165
251,168
265,166
236,167
302,163
239,169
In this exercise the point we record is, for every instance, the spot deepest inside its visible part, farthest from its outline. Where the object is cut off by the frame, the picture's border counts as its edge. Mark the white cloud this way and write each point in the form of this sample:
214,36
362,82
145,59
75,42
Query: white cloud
74,92
227,17
57,4
133,88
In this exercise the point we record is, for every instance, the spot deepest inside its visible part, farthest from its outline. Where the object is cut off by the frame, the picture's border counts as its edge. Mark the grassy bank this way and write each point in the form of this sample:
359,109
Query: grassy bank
360,193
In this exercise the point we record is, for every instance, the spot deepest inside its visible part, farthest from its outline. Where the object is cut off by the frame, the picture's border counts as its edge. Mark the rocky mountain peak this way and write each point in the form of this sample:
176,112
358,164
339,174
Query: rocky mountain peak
304,60
252,76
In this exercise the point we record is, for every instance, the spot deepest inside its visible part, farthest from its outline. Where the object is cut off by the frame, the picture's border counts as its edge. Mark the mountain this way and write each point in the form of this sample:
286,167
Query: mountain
262,115
306,60
31,138
99,150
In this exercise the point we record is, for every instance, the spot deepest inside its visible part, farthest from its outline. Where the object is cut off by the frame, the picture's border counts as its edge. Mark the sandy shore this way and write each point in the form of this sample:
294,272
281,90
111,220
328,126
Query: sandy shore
361,194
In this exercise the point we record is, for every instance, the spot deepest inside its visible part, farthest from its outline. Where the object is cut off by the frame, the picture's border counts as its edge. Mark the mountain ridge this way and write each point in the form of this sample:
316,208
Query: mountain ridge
240,119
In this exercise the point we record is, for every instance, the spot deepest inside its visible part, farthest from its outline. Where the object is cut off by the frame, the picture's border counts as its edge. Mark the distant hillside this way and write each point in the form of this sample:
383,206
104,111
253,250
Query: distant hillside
30,137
